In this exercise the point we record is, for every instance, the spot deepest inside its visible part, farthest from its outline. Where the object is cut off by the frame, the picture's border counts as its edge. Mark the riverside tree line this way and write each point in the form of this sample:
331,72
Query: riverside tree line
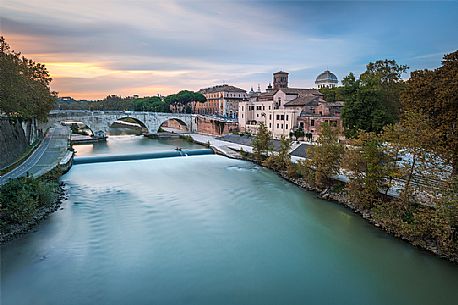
400,156
24,94
179,102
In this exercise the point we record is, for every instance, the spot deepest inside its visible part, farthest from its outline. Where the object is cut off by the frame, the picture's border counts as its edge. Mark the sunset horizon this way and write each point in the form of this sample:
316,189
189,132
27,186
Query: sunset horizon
161,48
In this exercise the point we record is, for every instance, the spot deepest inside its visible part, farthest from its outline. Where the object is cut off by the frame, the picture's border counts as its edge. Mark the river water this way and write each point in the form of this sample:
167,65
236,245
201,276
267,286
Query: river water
209,230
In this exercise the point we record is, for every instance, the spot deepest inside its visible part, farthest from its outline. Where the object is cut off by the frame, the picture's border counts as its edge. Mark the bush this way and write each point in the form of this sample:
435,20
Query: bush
20,198
292,170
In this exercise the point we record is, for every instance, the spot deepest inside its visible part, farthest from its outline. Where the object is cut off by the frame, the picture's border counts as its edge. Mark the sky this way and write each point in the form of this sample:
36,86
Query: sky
96,48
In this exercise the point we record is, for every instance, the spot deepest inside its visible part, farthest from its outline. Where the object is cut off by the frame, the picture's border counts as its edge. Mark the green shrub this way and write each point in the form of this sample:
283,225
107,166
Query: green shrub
17,200
20,198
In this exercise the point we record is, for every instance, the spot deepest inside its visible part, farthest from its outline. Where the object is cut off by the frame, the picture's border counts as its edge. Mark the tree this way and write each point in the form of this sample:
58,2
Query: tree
24,85
323,160
421,170
299,133
366,162
434,94
183,100
153,103
262,143
282,159
372,101
332,94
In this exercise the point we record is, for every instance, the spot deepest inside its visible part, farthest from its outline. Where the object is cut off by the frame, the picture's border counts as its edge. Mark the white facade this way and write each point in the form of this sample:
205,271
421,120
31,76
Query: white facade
279,120
280,108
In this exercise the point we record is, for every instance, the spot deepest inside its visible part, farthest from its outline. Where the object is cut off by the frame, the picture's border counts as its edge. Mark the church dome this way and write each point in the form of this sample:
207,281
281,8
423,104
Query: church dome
327,77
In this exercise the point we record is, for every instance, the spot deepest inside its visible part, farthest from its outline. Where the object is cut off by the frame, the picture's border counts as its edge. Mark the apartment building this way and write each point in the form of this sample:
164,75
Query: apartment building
222,100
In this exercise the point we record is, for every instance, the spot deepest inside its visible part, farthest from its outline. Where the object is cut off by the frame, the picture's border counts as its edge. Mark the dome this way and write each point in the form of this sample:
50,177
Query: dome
326,77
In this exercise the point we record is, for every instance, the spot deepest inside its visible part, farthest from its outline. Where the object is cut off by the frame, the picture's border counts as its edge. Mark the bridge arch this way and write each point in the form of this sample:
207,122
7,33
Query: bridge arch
174,124
78,127
129,122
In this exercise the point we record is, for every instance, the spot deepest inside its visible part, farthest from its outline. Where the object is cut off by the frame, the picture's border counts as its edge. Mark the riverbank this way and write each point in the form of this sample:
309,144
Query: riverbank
336,193
25,202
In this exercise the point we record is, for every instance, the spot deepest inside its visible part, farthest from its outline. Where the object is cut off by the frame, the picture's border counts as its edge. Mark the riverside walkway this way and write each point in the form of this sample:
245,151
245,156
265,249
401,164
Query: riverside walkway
51,150
231,149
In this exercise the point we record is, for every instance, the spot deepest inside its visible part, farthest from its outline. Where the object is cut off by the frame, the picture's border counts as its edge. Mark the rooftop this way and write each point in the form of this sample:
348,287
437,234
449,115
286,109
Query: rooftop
221,88
327,77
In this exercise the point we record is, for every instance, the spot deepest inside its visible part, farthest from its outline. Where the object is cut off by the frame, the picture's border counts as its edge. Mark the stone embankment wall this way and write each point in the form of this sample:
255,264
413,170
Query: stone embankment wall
15,137
214,126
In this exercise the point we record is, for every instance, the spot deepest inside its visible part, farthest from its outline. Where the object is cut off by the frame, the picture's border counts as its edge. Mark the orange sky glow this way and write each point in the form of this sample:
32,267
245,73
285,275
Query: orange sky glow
97,48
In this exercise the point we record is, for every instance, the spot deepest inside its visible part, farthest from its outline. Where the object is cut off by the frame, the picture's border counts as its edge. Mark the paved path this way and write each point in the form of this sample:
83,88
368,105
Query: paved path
224,146
48,154
231,149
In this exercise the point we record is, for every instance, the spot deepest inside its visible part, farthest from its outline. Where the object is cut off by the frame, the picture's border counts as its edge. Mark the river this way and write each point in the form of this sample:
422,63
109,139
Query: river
209,230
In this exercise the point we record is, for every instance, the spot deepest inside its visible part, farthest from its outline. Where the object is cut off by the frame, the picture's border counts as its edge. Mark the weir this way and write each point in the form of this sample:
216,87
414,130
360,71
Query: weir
143,156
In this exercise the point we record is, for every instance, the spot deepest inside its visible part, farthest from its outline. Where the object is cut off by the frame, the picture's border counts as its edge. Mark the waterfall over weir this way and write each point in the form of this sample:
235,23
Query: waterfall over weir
143,156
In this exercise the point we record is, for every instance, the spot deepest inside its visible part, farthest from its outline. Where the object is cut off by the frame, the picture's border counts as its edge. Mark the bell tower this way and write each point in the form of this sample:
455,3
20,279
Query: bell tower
280,80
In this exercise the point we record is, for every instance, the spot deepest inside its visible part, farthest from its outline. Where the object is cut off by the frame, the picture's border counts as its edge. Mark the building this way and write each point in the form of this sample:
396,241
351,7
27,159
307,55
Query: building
222,100
327,79
283,109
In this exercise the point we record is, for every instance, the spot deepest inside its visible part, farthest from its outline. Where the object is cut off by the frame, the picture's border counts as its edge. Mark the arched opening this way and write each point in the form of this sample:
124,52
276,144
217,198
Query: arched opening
127,126
174,126
82,133
79,128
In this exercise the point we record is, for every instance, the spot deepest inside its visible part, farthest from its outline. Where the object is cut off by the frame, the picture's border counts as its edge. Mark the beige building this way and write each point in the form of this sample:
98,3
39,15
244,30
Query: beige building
283,109
222,100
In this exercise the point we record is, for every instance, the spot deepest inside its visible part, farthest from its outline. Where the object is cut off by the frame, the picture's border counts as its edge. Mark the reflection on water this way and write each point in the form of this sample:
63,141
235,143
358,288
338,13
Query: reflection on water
210,230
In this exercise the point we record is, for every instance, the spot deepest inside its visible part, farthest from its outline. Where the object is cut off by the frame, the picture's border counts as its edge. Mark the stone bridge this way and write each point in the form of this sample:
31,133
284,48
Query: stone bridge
101,120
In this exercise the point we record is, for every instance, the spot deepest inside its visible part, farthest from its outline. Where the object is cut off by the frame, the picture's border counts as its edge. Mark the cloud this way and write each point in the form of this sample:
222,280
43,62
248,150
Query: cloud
168,45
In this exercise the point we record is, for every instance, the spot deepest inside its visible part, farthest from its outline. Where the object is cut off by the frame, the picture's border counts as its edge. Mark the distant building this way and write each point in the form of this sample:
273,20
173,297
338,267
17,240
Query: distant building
66,99
222,100
327,79
283,109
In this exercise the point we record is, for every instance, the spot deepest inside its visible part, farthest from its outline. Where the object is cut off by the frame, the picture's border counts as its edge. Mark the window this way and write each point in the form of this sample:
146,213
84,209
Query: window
312,123
287,119
242,108
282,117
278,125
282,126
321,112
286,126
242,115
257,115
263,108
270,125
269,107
270,117
278,117
258,108
301,125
